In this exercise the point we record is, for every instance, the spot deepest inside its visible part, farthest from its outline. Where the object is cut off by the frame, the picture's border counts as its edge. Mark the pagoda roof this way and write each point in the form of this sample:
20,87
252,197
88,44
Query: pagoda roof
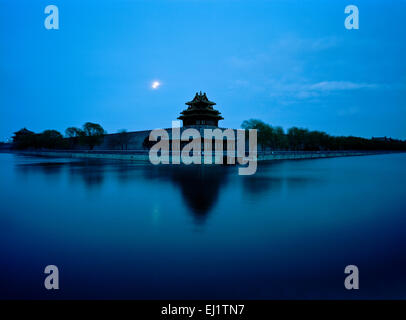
24,131
200,99
200,106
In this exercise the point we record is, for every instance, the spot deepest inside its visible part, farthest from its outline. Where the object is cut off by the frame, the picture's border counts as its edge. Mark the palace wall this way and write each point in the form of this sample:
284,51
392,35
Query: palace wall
134,140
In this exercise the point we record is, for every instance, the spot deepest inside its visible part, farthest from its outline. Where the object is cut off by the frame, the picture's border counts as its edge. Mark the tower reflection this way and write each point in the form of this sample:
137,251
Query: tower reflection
199,185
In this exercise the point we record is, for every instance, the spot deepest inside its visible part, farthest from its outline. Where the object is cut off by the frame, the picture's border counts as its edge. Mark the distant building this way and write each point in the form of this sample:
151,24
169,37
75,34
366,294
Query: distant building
23,132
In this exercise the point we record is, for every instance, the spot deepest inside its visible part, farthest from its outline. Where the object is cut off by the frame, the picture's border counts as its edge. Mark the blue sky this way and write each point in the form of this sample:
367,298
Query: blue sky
289,63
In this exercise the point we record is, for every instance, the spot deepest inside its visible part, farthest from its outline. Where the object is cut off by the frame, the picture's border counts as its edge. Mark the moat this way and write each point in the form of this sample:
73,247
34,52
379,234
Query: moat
120,229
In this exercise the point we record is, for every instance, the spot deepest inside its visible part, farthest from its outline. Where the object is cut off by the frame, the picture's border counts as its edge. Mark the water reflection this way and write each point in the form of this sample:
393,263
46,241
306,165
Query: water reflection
200,186
275,177
47,168
273,230
257,185
90,172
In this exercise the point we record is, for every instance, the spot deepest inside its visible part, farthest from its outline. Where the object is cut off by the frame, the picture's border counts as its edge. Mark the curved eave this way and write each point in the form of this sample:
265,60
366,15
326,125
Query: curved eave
209,103
214,116
200,112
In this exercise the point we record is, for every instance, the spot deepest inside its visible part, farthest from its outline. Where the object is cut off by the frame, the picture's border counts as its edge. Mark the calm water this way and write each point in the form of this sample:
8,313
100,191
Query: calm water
126,230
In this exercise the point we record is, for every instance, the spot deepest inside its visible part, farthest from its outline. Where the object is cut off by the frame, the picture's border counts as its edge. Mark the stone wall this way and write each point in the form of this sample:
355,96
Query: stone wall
144,156
135,139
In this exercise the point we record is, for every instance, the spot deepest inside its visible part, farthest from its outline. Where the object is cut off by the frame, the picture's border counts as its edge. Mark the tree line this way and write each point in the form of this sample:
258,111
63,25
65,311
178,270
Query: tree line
269,138
90,135
299,139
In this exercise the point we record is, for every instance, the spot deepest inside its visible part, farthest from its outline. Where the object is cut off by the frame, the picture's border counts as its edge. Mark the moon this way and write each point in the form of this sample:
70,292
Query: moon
155,85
